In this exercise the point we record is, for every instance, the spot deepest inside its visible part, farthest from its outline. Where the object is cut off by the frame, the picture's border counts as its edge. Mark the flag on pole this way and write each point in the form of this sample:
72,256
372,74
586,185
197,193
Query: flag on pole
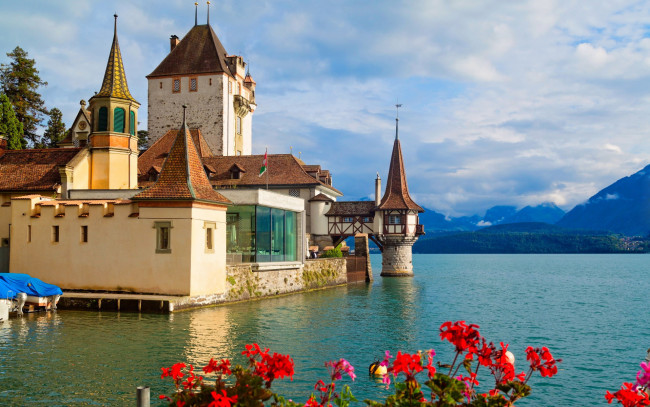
265,163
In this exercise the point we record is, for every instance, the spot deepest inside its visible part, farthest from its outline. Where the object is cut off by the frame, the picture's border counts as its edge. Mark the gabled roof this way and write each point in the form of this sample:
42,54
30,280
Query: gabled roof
33,170
397,191
82,114
156,154
321,198
283,170
200,51
114,84
182,177
359,208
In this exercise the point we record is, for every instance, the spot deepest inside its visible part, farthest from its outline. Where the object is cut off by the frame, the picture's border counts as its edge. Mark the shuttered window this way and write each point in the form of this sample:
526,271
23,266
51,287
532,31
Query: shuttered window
118,120
102,120
132,123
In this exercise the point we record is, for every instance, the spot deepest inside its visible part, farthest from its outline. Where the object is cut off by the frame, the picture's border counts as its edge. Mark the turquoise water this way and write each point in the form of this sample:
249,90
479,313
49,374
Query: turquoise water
590,310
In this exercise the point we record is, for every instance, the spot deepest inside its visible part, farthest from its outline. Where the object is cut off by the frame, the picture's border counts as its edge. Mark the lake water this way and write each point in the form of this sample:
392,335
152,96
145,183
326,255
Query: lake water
590,310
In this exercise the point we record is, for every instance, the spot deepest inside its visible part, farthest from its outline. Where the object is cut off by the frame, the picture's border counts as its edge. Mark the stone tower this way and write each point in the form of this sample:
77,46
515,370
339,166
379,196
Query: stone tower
199,72
113,141
397,227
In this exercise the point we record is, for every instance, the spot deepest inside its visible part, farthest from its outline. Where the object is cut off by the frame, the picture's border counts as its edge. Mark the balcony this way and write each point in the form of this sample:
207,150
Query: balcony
242,105
419,230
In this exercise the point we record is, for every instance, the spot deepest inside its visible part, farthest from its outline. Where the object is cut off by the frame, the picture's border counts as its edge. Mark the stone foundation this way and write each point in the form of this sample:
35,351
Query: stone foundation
397,258
243,282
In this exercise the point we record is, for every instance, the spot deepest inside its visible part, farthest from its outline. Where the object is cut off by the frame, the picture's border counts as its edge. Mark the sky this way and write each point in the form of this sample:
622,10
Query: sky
503,102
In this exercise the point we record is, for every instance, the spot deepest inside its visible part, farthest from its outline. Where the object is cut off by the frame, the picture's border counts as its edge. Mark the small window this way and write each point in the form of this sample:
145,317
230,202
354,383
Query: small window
132,123
193,84
102,120
235,174
238,88
348,219
238,125
176,85
367,219
29,233
84,234
209,236
230,87
118,120
294,192
394,219
163,237
160,84
55,234
210,81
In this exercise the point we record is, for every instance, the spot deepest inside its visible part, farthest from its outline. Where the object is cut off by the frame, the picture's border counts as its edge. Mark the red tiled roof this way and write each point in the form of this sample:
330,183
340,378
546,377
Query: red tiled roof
283,169
200,51
397,191
182,176
358,208
33,170
156,154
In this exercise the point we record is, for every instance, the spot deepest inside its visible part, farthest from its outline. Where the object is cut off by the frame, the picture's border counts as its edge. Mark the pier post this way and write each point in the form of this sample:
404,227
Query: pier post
144,396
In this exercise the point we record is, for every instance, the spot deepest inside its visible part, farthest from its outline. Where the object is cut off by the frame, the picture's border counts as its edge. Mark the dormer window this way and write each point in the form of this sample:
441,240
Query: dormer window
236,171
209,170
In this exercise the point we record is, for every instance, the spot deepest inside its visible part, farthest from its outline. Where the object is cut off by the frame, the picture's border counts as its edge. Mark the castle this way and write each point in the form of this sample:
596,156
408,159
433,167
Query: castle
93,215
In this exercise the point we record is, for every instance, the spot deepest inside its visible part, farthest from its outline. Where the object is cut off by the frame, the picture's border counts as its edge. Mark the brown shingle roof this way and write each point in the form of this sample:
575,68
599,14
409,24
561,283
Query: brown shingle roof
182,176
156,154
321,197
397,191
359,208
33,170
200,51
283,169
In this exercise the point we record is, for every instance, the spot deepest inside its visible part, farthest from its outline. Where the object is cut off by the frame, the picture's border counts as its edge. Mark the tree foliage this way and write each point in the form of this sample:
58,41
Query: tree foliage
20,82
10,126
143,140
55,131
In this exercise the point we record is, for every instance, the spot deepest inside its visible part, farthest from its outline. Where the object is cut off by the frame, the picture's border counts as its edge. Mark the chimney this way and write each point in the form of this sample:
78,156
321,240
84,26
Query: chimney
173,42
377,190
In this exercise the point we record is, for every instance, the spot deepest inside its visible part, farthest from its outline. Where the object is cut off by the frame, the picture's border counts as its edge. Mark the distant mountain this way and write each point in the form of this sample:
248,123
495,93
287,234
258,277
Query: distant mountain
534,237
623,207
547,212
497,214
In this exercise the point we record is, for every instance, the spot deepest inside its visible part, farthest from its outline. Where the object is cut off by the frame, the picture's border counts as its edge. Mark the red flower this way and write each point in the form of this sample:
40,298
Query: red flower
464,337
407,364
312,402
270,367
222,400
221,367
628,396
548,367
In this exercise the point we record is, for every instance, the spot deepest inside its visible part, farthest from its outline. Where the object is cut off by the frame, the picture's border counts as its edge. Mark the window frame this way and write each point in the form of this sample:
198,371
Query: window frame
174,89
56,234
196,83
210,228
84,234
163,227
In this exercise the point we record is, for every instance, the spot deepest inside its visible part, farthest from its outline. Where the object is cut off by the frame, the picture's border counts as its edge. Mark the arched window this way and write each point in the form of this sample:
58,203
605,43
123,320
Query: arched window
118,120
132,122
102,122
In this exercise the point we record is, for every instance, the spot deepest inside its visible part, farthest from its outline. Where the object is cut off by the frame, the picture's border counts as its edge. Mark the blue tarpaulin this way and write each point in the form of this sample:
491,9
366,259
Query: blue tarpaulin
14,283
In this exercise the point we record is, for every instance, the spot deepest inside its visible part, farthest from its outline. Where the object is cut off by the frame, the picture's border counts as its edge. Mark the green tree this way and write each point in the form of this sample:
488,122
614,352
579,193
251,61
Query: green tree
143,140
10,126
20,82
55,131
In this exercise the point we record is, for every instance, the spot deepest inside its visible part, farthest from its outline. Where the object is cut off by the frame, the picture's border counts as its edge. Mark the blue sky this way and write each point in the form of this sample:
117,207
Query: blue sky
504,102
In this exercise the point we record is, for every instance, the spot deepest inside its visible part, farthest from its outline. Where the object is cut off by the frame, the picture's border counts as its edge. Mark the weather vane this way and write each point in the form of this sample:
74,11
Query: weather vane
397,106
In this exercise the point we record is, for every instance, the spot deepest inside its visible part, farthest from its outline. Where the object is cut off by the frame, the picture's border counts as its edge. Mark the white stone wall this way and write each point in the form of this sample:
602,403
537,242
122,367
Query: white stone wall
397,258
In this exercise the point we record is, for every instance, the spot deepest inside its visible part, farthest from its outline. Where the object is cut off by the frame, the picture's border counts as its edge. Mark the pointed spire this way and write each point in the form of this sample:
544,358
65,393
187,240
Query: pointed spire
114,83
397,106
182,176
196,13
208,13
397,194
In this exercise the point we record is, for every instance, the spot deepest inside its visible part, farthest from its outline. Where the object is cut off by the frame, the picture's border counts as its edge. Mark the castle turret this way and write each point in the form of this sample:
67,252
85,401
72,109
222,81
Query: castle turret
397,213
199,72
113,141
